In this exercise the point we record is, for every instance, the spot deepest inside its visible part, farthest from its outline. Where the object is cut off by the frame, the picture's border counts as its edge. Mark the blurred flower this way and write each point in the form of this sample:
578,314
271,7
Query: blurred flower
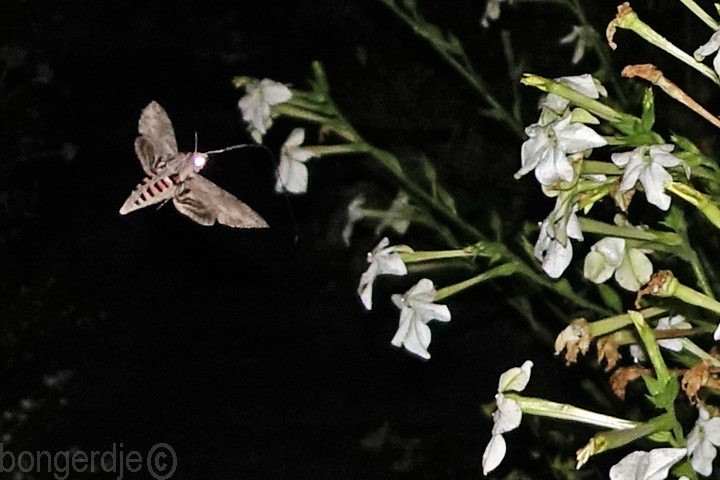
255,105
708,49
647,164
355,213
548,146
492,12
632,268
577,35
553,248
676,322
652,465
416,310
383,260
398,215
702,442
585,84
508,415
292,172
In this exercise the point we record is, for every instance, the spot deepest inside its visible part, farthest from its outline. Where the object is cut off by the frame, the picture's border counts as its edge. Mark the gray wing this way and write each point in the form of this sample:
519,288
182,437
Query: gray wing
157,138
205,203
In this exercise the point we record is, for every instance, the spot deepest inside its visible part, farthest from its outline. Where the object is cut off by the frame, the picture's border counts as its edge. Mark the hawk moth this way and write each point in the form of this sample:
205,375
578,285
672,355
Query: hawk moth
175,175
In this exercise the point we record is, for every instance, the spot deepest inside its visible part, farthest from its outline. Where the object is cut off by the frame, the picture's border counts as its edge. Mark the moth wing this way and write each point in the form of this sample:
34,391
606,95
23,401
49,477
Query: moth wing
146,153
205,203
157,130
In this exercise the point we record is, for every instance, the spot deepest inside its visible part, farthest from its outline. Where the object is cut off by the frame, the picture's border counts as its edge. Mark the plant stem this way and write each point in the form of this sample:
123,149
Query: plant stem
563,411
700,13
465,71
589,225
628,19
501,271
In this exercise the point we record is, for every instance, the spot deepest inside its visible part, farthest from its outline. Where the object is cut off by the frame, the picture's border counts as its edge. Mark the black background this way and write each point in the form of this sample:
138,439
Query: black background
246,351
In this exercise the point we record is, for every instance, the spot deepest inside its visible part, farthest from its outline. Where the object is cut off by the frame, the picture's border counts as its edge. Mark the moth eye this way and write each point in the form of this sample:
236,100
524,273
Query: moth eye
199,161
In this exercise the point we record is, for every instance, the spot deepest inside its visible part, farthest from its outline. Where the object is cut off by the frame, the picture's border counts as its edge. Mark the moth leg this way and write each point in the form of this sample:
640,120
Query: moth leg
163,203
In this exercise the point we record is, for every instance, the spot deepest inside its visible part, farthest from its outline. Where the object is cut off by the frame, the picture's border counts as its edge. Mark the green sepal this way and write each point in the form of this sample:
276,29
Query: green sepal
662,395
647,120
580,115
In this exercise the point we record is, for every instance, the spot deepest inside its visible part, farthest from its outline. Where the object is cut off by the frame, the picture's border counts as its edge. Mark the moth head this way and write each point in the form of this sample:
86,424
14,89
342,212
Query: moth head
198,161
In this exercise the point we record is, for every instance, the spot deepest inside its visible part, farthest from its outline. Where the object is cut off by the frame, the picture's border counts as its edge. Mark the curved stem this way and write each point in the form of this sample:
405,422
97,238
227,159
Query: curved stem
466,71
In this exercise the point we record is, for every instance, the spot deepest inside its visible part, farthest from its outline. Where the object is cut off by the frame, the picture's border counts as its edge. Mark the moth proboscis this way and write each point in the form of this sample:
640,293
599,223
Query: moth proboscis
175,175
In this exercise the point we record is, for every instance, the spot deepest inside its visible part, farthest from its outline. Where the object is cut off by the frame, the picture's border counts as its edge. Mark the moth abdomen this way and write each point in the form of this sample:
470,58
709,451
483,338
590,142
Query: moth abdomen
149,191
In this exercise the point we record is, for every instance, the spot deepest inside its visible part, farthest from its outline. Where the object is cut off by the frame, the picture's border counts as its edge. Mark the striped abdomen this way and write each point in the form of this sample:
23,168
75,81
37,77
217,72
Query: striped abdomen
150,191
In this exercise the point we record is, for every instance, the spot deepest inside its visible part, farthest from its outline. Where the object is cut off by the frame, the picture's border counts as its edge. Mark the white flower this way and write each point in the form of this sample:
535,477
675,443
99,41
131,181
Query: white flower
508,415
708,49
292,172
383,260
676,322
584,84
355,213
255,105
553,247
702,442
652,465
398,215
578,35
548,146
492,12
632,268
647,165
416,310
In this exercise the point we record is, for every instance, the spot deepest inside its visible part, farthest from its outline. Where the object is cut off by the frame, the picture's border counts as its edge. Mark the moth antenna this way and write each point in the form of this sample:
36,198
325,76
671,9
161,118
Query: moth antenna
196,142
276,167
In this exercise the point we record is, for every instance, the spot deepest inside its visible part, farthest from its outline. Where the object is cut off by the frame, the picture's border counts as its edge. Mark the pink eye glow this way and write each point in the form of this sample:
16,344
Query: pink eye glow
199,160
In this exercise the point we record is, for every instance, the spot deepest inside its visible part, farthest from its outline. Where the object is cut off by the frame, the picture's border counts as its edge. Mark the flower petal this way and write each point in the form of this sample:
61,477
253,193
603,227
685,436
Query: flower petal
274,92
577,137
708,48
493,454
412,334
596,268
652,465
653,178
516,378
634,271
292,176
508,415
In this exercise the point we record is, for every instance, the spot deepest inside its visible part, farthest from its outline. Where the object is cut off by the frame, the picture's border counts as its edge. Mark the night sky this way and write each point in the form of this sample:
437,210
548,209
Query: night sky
246,351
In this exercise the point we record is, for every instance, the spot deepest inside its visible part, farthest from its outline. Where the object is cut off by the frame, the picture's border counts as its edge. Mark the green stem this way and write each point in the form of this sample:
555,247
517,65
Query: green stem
593,106
701,201
416,257
594,167
616,322
501,271
465,71
605,441
321,150
563,411
629,20
691,347
594,226
700,13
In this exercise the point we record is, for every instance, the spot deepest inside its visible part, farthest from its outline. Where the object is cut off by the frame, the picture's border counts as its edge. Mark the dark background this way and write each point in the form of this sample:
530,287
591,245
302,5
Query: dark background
248,352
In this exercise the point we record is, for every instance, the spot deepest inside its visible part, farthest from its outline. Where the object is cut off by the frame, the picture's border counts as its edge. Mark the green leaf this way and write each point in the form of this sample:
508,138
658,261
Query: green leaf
445,198
610,297
580,115
662,395
647,119
675,220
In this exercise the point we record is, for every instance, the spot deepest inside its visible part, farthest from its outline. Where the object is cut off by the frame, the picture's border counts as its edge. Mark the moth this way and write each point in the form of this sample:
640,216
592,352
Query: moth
175,175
